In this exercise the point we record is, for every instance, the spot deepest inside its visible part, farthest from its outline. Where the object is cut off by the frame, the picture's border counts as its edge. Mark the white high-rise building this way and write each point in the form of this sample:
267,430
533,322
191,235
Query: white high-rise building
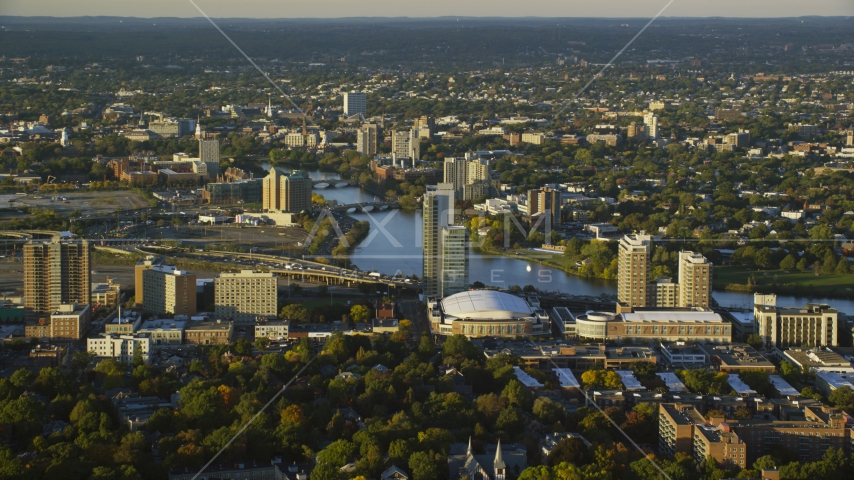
651,122
355,103
406,144
438,214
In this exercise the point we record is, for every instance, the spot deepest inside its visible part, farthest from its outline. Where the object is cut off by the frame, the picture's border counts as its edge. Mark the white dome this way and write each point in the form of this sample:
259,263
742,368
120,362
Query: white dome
486,305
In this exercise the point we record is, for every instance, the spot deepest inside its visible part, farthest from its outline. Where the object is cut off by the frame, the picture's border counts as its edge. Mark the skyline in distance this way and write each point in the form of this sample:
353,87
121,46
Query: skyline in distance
437,8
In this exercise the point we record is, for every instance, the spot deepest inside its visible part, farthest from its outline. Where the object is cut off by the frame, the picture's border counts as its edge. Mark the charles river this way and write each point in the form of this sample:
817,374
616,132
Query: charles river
394,246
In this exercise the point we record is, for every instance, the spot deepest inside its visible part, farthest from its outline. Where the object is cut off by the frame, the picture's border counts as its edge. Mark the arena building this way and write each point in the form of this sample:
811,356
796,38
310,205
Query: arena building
487,313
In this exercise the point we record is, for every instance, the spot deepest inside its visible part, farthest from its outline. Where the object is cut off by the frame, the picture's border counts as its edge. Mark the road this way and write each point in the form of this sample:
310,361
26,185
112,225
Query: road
416,312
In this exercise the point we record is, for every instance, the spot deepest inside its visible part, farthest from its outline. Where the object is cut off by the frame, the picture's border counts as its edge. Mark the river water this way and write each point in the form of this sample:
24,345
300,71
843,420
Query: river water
394,246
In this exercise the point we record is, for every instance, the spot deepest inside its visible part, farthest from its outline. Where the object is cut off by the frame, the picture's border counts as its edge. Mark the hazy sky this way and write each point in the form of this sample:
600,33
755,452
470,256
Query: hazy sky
431,8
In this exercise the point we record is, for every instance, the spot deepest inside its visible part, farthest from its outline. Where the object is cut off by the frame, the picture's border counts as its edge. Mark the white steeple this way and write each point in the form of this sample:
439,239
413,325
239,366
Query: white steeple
499,465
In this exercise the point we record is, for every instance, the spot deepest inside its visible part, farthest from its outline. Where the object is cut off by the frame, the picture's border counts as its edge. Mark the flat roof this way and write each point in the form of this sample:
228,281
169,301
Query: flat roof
836,379
566,378
209,326
817,358
629,380
738,384
671,316
163,324
745,318
672,381
526,379
782,386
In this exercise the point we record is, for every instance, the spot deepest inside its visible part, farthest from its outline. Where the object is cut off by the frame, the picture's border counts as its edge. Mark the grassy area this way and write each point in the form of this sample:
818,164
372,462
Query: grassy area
783,282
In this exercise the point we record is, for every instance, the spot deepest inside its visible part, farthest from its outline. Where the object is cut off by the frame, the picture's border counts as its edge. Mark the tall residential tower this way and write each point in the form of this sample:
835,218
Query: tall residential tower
55,273
445,253
633,270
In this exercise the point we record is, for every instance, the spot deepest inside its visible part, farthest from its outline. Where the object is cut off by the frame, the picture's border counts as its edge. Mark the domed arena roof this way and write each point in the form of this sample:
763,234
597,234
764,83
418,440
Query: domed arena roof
486,305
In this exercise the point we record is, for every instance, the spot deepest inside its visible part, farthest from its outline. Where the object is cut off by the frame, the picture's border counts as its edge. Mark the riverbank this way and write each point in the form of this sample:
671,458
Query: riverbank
782,282
558,261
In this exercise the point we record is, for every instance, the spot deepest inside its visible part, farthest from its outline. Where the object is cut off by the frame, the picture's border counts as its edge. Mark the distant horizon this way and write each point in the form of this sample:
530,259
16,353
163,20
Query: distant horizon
340,9
442,17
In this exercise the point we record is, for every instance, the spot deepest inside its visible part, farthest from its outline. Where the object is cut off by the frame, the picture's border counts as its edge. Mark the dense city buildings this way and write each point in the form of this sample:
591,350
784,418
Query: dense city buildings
244,296
55,273
470,176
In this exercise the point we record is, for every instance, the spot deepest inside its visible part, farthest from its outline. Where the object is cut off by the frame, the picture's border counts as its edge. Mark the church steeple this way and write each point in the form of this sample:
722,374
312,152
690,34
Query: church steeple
468,450
498,464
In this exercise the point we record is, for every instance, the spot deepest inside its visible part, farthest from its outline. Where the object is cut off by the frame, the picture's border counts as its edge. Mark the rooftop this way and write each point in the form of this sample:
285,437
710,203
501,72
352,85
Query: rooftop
738,385
836,379
526,379
486,304
217,325
782,386
629,380
566,378
815,358
672,381
738,355
700,316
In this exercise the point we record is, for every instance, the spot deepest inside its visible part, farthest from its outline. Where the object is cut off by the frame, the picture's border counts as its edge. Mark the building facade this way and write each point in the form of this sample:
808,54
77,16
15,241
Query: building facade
244,296
455,260
120,347
167,290
545,201
366,140
406,144
783,327
55,273
633,270
209,333
646,325
437,213
695,280
355,103
70,322
286,192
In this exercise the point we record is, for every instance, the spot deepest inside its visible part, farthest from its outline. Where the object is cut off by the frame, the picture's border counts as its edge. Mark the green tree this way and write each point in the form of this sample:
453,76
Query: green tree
788,263
802,265
754,340
261,343
423,467
360,313
337,453
295,313
570,450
